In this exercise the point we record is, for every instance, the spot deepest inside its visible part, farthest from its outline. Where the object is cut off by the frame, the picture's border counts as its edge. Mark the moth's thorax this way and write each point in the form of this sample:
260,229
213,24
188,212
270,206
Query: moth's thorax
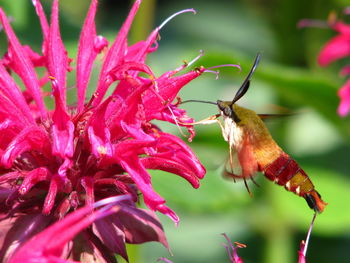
265,148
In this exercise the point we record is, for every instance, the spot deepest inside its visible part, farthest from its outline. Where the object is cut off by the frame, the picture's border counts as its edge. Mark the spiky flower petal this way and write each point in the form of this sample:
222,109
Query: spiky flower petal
54,161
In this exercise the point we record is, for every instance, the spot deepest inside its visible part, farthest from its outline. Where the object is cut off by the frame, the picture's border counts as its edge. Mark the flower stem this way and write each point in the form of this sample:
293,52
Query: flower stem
279,236
278,246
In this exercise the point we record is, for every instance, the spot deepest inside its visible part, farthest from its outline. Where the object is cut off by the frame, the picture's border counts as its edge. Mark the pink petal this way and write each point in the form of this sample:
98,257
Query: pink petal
63,144
140,225
115,55
43,22
48,245
155,101
139,51
98,134
57,59
32,177
49,202
89,47
88,183
171,166
111,235
182,153
342,28
22,65
31,138
344,94
138,173
10,89
337,48
19,230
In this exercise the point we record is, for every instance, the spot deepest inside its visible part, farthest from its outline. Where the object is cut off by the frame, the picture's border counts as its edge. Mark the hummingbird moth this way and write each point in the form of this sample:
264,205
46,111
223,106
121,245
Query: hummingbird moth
252,149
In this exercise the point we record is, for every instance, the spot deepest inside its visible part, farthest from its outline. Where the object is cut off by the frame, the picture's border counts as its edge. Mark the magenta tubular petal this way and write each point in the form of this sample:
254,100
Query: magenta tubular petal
142,179
51,195
183,150
168,212
88,183
115,55
11,176
86,54
21,64
121,71
57,59
11,116
335,49
49,244
10,89
139,51
168,89
32,178
32,138
98,134
171,166
43,22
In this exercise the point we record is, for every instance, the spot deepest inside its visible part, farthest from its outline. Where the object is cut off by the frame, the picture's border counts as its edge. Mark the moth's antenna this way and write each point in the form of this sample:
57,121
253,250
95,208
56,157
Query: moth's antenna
245,86
201,101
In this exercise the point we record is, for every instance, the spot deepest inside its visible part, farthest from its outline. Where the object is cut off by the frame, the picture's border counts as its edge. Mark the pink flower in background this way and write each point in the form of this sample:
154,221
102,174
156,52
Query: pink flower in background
336,48
55,161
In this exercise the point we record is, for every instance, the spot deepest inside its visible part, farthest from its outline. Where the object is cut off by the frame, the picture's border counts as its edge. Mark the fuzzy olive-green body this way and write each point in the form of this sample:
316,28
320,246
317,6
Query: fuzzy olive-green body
265,148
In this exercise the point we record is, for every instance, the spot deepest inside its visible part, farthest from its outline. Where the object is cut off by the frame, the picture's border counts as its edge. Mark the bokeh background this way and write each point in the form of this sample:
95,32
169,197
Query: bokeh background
288,80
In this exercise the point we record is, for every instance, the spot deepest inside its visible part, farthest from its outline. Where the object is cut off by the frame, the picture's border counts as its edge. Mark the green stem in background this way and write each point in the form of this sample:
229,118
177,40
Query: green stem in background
144,21
278,235
278,246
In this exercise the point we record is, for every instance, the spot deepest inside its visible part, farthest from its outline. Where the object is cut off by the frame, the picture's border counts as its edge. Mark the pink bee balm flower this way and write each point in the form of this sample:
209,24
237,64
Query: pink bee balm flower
54,161
336,48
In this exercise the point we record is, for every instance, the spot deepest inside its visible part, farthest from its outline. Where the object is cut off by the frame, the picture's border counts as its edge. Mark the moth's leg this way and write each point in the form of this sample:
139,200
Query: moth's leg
234,176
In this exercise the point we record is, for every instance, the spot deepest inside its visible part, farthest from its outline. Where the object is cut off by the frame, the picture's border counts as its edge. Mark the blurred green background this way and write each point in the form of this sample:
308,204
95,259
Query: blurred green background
273,222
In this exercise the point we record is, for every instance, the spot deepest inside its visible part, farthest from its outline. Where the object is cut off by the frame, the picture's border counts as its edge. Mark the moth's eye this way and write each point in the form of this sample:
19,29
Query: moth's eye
227,111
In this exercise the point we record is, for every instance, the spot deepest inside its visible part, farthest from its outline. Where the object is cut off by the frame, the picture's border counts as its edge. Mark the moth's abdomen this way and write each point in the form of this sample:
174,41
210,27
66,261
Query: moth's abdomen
286,172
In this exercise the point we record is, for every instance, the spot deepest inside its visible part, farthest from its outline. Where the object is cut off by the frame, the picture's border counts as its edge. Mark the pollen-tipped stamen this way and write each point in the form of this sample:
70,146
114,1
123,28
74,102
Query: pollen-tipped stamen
201,54
187,64
174,15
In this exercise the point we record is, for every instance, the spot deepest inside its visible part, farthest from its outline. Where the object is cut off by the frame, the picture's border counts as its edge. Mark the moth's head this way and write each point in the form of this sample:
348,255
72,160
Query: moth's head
226,107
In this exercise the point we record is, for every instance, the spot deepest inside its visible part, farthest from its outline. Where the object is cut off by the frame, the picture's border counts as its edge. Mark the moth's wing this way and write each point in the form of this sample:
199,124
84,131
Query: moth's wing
241,162
273,116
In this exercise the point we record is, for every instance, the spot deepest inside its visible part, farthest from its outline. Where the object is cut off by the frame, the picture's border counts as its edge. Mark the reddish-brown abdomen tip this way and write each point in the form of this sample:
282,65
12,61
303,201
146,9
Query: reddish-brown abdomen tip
314,201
